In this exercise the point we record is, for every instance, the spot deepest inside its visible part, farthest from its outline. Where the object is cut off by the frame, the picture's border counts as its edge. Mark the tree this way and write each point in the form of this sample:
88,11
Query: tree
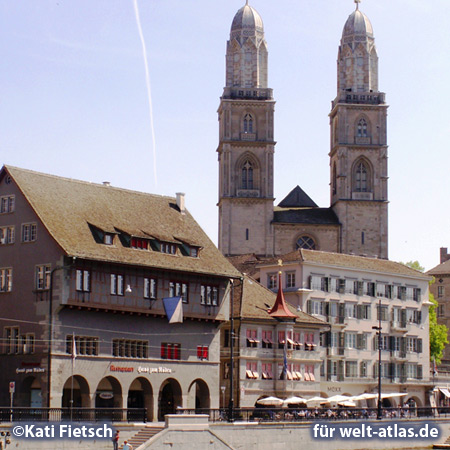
415,265
438,333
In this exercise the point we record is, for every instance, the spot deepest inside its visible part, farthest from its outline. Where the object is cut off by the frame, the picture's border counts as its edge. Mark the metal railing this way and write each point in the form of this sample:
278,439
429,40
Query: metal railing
30,414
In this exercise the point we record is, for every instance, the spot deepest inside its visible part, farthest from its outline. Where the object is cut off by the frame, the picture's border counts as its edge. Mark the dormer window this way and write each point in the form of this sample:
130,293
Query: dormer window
108,239
139,243
169,248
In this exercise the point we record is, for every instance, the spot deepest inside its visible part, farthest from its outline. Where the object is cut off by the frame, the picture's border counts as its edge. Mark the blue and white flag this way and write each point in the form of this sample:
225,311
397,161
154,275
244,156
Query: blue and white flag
174,309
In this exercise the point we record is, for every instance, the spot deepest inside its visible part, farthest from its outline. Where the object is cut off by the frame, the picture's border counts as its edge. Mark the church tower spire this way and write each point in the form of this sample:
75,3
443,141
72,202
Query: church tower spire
358,154
246,141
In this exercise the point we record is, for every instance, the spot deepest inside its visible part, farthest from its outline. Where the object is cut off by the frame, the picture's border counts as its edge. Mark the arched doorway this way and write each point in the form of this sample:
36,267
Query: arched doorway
140,395
80,393
200,391
108,399
30,393
169,398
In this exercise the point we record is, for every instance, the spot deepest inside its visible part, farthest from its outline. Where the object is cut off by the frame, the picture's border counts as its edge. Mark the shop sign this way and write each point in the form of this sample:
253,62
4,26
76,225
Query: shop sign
27,370
120,369
106,395
150,370
333,389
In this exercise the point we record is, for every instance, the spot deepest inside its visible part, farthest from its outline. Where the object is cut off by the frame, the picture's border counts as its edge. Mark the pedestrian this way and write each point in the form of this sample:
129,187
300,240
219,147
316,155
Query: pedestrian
116,440
127,446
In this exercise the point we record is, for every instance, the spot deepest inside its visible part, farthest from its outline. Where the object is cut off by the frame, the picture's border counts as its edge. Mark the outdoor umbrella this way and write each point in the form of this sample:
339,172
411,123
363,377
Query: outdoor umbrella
270,401
294,401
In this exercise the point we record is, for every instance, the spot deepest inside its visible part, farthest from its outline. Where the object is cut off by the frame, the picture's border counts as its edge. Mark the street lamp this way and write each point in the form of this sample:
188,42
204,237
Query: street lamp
378,329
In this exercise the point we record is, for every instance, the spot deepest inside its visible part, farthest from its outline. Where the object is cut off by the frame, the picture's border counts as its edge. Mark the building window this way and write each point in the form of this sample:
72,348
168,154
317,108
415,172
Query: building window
43,277
83,280
179,289
84,345
251,370
246,234
29,232
202,352
272,281
7,235
129,348
361,130
252,340
290,280
267,371
361,178
248,123
416,294
401,292
150,288
363,369
141,244
441,310
6,280
108,239
7,204
351,369
334,182
382,311
247,175
306,242
440,291
170,351
167,247
370,289
209,295
267,341
117,284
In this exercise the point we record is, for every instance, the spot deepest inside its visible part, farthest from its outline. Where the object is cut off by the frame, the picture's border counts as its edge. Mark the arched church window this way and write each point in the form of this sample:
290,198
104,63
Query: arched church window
306,242
247,175
361,178
248,123
361,128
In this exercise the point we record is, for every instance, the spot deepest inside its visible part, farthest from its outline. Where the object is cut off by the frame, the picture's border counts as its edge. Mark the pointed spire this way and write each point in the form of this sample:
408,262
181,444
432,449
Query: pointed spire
357,4
280,310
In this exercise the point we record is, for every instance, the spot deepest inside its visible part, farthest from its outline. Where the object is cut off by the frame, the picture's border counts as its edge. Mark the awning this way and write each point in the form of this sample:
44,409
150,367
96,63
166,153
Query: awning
445,392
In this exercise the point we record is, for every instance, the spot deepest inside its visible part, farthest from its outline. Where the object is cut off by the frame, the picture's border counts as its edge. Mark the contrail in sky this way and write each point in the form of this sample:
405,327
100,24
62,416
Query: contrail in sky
147,80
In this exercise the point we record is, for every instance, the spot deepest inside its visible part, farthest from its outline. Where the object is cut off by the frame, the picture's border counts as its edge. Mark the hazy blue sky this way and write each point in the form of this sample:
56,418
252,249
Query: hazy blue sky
73,99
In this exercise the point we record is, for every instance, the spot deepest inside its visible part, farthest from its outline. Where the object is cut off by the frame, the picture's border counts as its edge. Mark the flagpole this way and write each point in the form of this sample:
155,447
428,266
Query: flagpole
71,382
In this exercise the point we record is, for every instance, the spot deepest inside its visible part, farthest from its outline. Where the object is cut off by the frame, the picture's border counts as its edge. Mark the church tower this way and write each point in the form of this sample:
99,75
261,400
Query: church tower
246,141
358,155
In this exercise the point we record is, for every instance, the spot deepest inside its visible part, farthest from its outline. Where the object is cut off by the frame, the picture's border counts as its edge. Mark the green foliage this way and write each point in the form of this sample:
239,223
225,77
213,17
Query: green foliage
415,265
438,334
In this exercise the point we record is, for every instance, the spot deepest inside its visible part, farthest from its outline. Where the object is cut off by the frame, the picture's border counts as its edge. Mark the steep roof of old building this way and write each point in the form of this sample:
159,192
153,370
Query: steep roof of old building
69,209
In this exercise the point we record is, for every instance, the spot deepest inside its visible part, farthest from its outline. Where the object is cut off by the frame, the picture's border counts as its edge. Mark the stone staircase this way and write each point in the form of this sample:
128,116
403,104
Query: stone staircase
143,435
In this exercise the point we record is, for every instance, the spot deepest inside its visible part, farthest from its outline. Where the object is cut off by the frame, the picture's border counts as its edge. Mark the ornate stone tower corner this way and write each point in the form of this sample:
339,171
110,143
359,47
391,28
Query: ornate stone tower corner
246,141
358,147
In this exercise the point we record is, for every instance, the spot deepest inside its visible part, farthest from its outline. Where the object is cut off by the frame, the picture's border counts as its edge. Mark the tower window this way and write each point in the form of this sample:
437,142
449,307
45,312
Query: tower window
247,175
361,178
361,130
246,234
306,242
334,180
248,123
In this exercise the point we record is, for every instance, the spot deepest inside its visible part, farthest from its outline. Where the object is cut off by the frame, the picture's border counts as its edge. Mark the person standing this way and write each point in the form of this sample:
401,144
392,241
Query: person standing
116,440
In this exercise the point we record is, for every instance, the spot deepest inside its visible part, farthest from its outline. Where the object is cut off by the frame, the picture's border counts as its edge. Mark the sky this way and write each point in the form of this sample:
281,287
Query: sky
74,100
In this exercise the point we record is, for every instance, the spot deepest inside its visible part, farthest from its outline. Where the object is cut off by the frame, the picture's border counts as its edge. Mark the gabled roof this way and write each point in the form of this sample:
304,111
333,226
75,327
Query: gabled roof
297,198
440,269
314,216
68,207
258,300
347,261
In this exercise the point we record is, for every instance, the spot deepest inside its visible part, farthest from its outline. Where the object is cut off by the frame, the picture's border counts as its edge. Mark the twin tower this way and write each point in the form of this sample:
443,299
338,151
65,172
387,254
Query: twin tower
249,222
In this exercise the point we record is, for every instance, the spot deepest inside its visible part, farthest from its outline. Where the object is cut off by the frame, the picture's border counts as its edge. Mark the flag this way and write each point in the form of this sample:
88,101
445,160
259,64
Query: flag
174,309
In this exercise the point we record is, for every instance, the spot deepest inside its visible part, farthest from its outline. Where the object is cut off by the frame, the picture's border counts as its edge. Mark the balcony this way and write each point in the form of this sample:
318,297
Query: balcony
248,136
397,325
248,193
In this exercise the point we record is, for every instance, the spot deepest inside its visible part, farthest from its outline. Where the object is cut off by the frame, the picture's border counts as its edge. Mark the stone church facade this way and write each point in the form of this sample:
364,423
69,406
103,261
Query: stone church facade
356,220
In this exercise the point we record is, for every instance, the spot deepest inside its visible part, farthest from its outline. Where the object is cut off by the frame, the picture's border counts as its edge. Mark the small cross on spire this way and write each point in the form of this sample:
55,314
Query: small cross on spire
246,2
357,3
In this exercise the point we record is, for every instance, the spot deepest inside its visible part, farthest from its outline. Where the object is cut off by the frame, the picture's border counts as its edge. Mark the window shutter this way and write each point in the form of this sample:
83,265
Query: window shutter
419,372
308,307
391,343
419,345
310,282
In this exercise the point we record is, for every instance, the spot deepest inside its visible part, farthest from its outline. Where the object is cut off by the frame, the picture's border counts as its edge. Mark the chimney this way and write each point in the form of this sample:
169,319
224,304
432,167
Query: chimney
106,183
444,254
180,202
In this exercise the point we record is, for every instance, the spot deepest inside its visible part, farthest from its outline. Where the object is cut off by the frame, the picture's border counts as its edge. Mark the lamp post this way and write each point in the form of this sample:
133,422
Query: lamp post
378,329
231,402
